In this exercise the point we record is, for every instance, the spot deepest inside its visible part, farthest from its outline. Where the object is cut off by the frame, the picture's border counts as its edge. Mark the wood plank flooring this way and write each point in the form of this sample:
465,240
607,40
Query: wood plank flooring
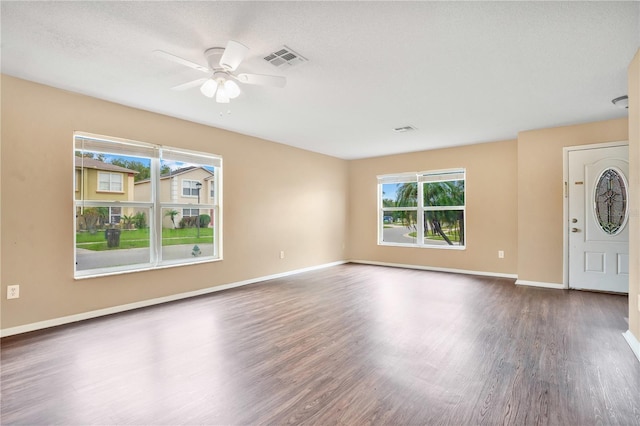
352,344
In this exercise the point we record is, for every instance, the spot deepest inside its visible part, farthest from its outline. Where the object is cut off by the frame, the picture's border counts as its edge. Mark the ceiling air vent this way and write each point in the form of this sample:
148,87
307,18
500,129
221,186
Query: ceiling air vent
285,57
404,129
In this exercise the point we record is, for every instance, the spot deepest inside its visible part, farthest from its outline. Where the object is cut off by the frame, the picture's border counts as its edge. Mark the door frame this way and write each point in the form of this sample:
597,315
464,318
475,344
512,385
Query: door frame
565,200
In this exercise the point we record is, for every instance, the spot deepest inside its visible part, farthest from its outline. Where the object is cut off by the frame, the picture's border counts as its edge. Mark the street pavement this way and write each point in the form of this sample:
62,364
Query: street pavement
89,259
400,234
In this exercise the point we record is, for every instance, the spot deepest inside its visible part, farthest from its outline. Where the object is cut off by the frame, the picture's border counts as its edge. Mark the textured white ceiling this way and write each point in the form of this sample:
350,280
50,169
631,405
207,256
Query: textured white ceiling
460,72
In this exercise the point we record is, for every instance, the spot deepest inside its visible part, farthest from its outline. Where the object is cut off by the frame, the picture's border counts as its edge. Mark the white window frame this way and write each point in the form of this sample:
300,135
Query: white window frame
420,178
191,188
111,145
110,181
191,210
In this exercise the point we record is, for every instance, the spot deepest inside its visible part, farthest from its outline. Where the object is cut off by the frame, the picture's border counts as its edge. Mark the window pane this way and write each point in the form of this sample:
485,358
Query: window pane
447,193
399,227
99,173
103,181
187,237
443,228
179,182
116,181
100,244
188,188
399,194
114,215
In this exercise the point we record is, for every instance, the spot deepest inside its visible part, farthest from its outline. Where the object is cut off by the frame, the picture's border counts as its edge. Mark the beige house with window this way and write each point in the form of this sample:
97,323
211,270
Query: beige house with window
96,180
180,187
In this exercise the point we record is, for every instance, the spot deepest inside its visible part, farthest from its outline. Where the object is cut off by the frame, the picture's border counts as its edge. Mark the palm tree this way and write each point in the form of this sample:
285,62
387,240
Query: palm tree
407,196
94,217
127,221
172,214
140,220
447,193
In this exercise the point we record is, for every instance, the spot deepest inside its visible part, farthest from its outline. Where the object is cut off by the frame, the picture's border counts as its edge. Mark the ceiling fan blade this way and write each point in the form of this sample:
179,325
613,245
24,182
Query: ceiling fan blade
262,80
179,60
190,84
233,54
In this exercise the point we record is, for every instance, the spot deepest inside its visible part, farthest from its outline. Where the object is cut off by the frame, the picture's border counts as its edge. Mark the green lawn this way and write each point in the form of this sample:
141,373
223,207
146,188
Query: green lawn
437,237
136,238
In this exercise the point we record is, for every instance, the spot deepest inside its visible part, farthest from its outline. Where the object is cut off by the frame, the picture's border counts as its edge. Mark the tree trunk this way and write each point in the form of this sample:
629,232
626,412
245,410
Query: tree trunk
438,229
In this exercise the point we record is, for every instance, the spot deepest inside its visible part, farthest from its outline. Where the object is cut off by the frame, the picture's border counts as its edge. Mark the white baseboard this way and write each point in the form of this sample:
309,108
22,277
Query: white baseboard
541,284
633,342
436,269
150,302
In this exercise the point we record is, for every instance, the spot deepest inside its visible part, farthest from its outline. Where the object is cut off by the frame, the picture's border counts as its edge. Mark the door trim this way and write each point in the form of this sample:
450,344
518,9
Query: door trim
565,200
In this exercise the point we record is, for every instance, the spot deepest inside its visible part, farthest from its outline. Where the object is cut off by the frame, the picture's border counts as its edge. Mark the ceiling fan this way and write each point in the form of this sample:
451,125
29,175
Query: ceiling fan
220,82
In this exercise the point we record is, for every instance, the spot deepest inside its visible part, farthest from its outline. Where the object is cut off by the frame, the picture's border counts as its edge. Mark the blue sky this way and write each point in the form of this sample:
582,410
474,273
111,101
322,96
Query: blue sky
173,165
389,190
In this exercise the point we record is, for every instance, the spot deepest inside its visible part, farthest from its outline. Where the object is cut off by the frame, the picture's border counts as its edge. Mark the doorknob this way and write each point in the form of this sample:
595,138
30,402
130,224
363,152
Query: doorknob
575,230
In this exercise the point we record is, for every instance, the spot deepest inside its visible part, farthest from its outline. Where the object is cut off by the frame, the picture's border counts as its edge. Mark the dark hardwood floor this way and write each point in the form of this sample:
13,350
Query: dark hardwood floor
352,344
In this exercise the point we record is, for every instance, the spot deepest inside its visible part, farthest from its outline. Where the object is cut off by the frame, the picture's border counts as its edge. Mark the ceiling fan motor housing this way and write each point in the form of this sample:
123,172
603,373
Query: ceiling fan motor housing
213,56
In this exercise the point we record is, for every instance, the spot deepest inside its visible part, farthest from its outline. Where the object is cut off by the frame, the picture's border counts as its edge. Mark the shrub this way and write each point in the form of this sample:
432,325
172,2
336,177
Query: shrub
187,222
205,220
140,220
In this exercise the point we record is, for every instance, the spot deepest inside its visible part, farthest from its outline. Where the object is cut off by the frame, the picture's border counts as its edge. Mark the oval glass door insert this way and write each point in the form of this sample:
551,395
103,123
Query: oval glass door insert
611,201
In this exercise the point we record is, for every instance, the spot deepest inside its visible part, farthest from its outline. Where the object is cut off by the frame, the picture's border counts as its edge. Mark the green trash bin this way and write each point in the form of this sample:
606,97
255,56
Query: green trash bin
113,237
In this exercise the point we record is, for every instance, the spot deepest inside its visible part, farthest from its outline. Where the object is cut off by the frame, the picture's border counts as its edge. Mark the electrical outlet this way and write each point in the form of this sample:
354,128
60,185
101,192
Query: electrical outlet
500,254
13,291
282,254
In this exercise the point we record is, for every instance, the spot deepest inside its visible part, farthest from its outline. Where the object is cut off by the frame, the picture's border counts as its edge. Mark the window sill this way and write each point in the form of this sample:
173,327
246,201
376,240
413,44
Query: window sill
143,268
424,246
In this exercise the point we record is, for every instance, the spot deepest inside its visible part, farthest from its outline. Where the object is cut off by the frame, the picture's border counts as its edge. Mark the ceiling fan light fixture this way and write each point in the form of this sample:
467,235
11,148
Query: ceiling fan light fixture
209,88
231,89
621,102
221,96
221,82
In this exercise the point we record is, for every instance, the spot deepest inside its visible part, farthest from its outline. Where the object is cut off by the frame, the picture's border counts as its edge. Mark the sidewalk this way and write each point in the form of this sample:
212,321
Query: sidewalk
89,259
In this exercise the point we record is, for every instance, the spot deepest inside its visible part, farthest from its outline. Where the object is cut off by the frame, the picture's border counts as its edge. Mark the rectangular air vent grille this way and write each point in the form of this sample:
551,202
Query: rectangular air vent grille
285,57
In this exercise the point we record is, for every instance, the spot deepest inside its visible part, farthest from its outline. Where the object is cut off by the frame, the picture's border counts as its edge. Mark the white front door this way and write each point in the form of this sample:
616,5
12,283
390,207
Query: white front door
598,211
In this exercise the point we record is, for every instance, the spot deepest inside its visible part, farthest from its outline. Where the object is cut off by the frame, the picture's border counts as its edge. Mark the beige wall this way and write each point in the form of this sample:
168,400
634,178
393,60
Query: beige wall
298,207
514,203
540,194
491,188
634,186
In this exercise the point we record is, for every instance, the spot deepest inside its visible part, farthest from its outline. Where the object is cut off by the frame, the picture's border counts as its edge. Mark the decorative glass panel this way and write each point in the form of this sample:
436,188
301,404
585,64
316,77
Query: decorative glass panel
611,201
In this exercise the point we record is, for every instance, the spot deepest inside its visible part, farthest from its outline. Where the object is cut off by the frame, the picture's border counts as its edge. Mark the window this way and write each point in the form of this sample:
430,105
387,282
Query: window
425,209
190,188
611,201
190,212
129,210
111,182
114,214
